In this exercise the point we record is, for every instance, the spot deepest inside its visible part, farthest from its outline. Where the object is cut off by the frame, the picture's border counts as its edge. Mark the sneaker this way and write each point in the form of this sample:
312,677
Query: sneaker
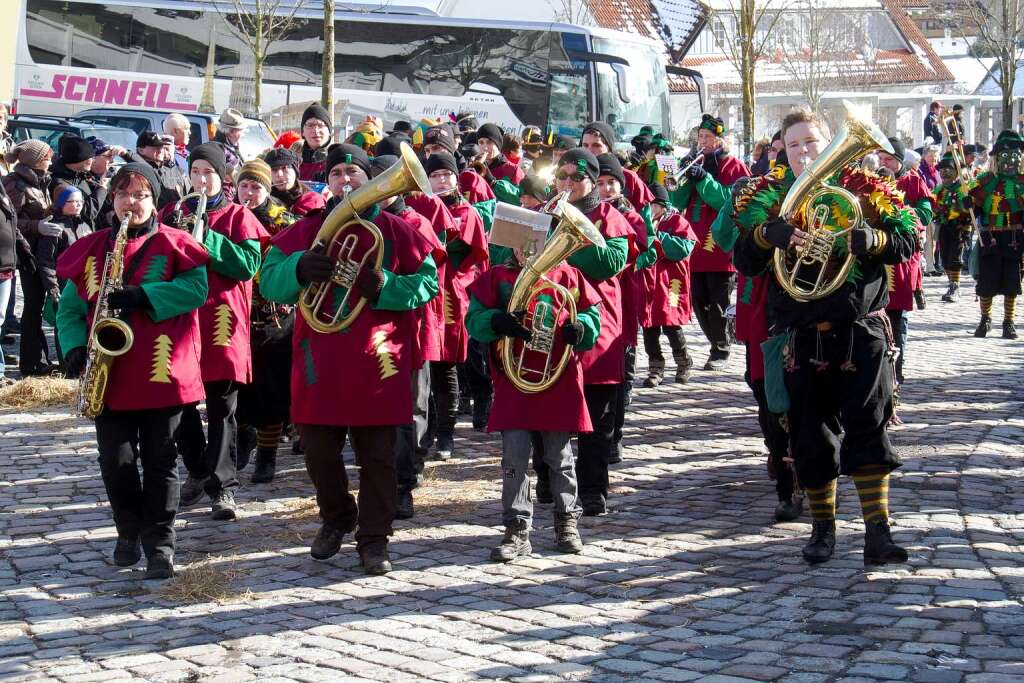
445,446
223,506
127,551
160,567
920,300
878,544
515,544
375,560
654,378
822,542
544,495
1009,330
789,510
984,327
191,491
567,535
404,508
327,542
594,507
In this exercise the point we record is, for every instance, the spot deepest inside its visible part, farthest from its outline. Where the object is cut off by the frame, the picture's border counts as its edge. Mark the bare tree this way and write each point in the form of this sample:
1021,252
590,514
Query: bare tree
259,24
327,72
999,27
821,47
743,31
572,12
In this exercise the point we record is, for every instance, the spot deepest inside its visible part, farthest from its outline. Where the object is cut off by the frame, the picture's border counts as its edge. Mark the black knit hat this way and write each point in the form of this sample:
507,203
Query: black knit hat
899,150
609,165
440,135
641,142
347,154
391,144
583,160
403,127
492,132
606,132
316,111
282,156
211,153
660,194
381,163
441,160
73,149
946,162
536,187
144,170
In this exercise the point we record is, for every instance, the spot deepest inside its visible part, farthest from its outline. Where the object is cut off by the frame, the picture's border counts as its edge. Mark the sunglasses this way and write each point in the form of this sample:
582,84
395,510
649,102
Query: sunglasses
575,177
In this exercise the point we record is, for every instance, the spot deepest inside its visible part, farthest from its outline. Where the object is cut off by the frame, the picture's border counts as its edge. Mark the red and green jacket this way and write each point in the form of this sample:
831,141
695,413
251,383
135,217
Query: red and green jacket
667,284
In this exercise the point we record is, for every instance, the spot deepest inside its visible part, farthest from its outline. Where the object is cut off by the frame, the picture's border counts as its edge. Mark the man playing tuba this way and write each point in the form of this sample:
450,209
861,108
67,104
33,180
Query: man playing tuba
832,351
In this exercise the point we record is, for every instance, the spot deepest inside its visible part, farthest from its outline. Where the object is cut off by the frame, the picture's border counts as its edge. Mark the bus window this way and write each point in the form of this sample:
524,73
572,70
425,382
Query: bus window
642,82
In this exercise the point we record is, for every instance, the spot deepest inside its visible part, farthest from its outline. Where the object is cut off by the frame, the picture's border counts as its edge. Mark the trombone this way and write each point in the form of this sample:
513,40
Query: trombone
951,127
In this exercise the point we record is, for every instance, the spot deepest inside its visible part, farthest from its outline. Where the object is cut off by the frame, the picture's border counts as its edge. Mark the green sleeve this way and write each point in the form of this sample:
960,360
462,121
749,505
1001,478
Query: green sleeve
675,248
279,280
647,258
72,314
457,252
924,211
498,255
236,261
680,197
601,263
507,192
645,213
713,192
478,321
406,292
183,293
724,230
591,321
486,210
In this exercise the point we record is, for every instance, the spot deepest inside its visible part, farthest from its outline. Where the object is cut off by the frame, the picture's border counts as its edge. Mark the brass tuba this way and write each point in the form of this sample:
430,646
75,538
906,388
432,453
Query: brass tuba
110,336
573,232
339,239
814,270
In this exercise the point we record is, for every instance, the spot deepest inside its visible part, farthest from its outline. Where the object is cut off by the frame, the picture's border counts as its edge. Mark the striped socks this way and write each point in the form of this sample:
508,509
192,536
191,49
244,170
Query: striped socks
986,306
823,501
872,482
953,276
1009,308
268,437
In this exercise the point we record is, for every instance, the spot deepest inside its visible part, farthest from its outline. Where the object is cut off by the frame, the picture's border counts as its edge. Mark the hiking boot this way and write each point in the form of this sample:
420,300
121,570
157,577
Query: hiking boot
984,327
327,542
683,366
160,567
375,560
404,508
515,543
789,509
823,541
594,507
223,506
544,495
952,294
655,374
715,364
567,535
920,300
266,465
127,551
481,412
191,491
878,544
246,444
1009,330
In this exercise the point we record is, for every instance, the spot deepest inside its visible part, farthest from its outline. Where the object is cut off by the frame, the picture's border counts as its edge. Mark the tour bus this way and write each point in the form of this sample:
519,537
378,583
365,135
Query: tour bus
154,54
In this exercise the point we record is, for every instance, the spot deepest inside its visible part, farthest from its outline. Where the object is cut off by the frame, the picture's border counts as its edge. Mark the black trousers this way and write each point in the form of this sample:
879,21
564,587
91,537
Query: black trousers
710,293
444,386
375,454
477,373
951,247
676,341
143,507
409,454
840,405
596,448
212,459
776,438
620,398
998,275
33,346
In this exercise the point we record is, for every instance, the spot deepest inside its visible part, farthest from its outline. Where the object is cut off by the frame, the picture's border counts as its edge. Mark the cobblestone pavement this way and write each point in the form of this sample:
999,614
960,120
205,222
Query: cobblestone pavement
689,578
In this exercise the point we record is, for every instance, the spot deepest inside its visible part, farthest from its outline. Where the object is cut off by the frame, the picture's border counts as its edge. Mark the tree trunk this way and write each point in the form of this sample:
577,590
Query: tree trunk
1009,75
748,66
257,62
327,77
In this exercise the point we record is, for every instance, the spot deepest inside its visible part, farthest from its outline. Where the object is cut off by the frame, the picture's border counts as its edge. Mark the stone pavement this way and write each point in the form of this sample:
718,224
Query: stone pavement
688,579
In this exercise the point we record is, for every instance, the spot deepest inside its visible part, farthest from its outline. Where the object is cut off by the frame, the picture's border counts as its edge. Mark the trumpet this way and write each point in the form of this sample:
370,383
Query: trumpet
672,182
196,222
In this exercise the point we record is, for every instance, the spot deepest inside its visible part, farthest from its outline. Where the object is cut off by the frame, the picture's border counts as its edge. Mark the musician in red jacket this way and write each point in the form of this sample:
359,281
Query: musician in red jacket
490,138
163,283
700,196
296,196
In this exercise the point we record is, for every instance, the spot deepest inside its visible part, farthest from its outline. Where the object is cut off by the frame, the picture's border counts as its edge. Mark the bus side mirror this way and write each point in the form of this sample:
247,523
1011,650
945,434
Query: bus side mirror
620,81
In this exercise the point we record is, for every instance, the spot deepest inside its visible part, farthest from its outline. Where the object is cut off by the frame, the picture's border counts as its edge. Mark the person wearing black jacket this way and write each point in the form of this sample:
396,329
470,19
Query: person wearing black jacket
932,129
157,151
73,167
11,243
833,354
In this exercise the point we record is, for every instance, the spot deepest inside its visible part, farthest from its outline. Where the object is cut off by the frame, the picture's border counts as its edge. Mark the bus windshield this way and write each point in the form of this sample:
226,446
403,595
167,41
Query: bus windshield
643,83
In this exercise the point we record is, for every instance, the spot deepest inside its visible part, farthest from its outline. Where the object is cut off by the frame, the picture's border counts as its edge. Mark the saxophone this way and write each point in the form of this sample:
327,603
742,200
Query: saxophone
110,336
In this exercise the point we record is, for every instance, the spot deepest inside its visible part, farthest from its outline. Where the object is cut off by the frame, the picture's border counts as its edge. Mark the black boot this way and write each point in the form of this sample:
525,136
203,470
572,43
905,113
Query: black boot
1009,330
920,300
247,440
655,373
375,559
823,541
984,327
789,509
878,544
266,465
127,551
683,365
404,508
481,412
952,294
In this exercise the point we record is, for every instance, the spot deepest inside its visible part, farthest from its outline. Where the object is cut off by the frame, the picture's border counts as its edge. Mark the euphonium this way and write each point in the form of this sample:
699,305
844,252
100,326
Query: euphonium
339,239
195,223
826,213
110,336
573,232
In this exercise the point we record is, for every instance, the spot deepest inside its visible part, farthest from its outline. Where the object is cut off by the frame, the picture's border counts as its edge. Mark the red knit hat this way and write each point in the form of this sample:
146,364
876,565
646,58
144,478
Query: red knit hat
287,139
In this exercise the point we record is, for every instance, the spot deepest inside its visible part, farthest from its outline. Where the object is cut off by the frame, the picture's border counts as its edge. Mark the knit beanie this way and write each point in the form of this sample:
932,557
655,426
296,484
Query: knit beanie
30,152
608,164
257,170
280,156
140,169
73,149
347,154
65,194
492,132
440,135
211,153
392,145
606,132
316,111
381,163
439,161
583,160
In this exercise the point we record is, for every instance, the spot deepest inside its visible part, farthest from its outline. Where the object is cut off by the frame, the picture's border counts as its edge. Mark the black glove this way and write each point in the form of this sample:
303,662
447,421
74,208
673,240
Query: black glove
26,259
778,233
314,267
863,240
129,298
510,325
696,173
711,164
369,283
572,333
74,362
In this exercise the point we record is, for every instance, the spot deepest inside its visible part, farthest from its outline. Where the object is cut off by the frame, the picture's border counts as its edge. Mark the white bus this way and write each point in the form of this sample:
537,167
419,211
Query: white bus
153,54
